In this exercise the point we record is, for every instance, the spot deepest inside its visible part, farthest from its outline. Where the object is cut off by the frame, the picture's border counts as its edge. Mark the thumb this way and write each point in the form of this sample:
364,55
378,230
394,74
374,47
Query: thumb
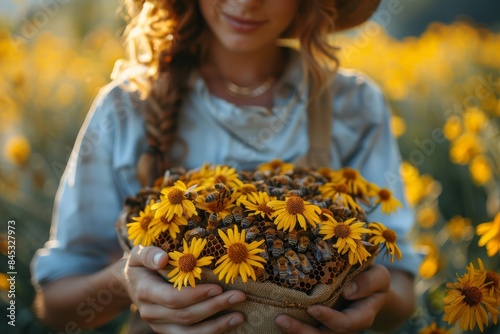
150,257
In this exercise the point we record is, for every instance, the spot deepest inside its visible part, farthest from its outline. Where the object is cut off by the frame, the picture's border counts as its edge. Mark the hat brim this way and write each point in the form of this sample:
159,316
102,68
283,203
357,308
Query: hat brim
351,13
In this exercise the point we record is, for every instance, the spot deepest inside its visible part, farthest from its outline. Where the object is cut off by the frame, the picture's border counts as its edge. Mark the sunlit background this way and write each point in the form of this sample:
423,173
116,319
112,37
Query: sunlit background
438,63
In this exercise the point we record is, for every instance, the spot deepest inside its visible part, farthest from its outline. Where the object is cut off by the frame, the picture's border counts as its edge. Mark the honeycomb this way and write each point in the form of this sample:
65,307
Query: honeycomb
297,259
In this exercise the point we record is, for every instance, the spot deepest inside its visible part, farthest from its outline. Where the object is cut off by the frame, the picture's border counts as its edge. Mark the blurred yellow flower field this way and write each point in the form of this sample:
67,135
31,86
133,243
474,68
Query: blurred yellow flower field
444,89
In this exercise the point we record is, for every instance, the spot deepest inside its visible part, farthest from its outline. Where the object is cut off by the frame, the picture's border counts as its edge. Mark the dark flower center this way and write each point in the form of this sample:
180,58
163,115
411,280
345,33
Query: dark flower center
187,262
342,231
264,208
145,222
472,294
384,194
389,235
175,196
237,252
294,205
350,174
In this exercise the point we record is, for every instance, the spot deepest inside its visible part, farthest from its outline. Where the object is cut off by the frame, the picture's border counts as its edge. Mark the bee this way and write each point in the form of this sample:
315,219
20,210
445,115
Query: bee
252,233
281,180
293,279
247,221
340,212
293,237
305,265
238,214
212,221
296,192
323,252
198,232
304,181
304,242
191,193
260,175
292,257
277,247
283,268
261,275
222,190
278,192
264,254
212,197
270,236
194,221
168,179
228,219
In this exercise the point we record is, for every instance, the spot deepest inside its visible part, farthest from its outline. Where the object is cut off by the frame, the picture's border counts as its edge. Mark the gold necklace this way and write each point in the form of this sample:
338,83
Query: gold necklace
249,92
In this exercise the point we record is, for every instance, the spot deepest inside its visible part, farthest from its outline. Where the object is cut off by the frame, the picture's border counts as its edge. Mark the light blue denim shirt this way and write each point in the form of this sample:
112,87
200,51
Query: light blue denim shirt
101,171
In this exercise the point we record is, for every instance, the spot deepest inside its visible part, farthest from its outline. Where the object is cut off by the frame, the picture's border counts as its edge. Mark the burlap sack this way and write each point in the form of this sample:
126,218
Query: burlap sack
265,301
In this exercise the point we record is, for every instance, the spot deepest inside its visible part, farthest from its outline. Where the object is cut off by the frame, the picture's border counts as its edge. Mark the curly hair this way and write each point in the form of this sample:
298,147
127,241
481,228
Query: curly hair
165,38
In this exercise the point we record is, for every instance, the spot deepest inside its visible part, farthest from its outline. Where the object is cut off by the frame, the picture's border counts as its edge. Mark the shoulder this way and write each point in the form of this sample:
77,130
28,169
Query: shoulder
355,96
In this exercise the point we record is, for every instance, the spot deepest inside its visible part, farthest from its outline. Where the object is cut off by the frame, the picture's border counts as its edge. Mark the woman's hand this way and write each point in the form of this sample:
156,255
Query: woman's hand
368,292
168,310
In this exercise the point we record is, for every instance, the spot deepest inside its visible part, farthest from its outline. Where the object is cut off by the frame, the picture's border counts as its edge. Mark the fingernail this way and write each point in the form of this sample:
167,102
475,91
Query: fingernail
234,321
350,289
214,292
283,322
157,258
236,298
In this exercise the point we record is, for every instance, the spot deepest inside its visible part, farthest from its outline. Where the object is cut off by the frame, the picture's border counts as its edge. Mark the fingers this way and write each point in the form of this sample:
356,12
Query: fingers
360,315
218,325
375,279
193,313
150,257
292,326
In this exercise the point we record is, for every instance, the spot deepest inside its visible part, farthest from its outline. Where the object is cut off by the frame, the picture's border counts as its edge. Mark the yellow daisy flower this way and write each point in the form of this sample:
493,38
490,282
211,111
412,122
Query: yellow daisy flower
138,230
346,233
339,192
468,301
480,169
490,235
459,228
18,150
221,207
294,209
474,119
452,127
187,265
226,175
244,192
162,224
241,257
429,266
389,202
382,234
491,279
433,329
173,202
257,203
276,167
359,255
465,147
356,184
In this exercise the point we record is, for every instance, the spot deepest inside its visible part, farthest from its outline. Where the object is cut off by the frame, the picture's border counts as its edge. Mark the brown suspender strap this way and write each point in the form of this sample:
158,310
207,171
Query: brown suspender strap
319,120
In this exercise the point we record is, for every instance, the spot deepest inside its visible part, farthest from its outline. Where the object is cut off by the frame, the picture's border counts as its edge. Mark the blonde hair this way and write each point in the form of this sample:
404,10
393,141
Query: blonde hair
164,38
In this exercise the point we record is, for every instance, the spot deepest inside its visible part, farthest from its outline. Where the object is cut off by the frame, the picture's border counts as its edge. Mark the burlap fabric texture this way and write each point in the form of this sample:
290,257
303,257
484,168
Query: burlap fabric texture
265,300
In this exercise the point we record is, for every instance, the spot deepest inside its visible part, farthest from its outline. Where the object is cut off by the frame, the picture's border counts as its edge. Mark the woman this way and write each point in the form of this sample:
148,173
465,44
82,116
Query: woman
216,87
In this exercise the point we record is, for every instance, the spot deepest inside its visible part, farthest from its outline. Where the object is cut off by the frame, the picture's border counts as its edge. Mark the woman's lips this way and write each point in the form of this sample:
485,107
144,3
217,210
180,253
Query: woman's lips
243,25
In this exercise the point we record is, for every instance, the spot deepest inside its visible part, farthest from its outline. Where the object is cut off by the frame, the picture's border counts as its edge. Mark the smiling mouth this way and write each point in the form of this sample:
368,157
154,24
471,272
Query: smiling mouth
241,24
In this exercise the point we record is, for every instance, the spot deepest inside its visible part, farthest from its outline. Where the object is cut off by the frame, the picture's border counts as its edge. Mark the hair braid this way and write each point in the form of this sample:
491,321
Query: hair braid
165,37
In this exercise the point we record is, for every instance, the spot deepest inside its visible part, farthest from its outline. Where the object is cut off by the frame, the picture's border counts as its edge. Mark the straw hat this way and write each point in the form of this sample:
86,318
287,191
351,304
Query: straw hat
353,12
